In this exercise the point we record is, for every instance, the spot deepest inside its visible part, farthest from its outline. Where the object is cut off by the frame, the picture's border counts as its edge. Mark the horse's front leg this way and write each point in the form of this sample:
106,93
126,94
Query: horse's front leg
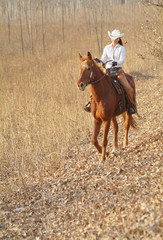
96,130
105,141
115,130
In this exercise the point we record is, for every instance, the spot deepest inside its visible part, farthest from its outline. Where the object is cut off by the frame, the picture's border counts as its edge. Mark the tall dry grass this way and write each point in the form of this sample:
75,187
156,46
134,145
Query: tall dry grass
42,113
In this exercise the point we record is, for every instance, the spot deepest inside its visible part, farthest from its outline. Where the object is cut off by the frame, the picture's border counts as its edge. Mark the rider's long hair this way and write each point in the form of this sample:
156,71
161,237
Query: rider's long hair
120,41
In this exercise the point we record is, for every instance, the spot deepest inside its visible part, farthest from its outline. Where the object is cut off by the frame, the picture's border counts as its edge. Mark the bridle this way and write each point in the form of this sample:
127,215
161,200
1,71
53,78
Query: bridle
96,81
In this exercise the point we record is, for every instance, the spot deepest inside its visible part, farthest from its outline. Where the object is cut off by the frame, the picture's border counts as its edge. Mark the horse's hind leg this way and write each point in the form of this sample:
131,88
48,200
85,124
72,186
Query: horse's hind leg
96,130
127,126
115,131
105,141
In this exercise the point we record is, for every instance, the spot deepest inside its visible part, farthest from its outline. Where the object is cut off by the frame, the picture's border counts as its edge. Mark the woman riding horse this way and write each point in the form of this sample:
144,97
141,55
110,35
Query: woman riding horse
105,101
114,54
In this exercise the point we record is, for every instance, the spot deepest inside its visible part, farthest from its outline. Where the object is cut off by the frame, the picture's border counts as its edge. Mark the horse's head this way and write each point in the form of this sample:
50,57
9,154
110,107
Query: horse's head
86,71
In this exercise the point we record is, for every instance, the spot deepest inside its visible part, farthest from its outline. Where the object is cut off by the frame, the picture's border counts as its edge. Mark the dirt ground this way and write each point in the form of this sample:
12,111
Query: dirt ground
120,200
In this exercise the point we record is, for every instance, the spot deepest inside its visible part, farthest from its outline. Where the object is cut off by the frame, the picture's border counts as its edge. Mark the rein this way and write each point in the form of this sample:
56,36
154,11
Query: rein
96,81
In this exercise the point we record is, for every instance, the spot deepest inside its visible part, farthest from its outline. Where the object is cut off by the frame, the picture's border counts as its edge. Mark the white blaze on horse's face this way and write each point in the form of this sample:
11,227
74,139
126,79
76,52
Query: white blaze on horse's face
84,75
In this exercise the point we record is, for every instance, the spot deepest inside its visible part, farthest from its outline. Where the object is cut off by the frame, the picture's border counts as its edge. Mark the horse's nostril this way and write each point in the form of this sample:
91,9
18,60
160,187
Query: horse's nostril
81,86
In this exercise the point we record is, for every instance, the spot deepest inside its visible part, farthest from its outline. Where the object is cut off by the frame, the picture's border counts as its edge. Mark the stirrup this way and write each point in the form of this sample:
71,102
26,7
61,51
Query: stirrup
131,109
87,107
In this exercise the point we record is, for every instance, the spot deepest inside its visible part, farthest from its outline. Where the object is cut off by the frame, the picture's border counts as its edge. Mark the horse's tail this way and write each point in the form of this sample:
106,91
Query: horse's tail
136,105
133,122
132,84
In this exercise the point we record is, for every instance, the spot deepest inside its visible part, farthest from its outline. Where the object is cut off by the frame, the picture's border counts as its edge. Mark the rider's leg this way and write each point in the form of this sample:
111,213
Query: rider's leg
129,90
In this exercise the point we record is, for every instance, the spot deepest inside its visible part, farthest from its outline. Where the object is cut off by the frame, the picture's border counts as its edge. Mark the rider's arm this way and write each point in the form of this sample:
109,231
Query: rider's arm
122,56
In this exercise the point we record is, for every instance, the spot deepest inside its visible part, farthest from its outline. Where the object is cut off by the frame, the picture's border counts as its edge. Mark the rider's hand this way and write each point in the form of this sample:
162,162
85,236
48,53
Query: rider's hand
97,60
114,63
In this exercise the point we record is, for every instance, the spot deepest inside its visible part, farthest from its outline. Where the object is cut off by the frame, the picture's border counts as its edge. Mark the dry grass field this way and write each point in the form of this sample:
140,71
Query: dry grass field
52,185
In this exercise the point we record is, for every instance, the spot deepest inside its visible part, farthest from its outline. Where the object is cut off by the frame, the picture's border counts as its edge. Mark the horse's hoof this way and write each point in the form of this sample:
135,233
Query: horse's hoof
107,154
124,147
125,144
100,164
115,152
103,160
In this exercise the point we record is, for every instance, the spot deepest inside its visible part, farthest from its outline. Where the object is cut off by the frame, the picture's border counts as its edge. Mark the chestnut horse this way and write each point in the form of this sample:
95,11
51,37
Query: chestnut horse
105,100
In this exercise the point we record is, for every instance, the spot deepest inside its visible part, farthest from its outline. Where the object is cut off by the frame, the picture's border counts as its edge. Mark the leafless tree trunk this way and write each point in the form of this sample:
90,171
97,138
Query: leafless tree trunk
31,26
21,29
8,19
28,15
86,7
101,30
43,26
26,10
63,27
93,6
74,6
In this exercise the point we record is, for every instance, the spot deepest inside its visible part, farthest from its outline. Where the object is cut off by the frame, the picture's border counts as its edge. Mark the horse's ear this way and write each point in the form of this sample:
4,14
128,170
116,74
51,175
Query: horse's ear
80,57
89,55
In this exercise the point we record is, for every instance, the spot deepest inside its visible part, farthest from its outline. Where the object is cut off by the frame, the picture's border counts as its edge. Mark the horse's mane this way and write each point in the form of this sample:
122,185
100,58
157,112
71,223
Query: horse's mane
99,67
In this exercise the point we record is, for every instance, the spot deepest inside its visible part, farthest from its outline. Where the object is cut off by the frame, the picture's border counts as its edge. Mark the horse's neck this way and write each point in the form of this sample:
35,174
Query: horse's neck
102,88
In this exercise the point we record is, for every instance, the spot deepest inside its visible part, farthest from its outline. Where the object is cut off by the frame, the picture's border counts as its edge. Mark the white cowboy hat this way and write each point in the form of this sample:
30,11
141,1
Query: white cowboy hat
115,34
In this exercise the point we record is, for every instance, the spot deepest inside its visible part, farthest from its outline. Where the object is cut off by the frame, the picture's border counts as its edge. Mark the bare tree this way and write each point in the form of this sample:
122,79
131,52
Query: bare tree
8,21
97,9
28,17
101,27
43,26
93,5
31,26
21,29
26,10
63,20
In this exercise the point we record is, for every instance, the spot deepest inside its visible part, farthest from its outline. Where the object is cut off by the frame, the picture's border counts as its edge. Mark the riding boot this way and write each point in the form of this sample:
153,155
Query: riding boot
87,107
131,105
131,109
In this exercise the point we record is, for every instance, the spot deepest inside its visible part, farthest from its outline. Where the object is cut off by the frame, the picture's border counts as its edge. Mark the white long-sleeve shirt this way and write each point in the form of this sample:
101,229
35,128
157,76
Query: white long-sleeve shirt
116,54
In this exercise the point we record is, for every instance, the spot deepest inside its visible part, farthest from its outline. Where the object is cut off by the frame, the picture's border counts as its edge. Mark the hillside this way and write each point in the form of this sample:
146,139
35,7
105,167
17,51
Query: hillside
121,199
